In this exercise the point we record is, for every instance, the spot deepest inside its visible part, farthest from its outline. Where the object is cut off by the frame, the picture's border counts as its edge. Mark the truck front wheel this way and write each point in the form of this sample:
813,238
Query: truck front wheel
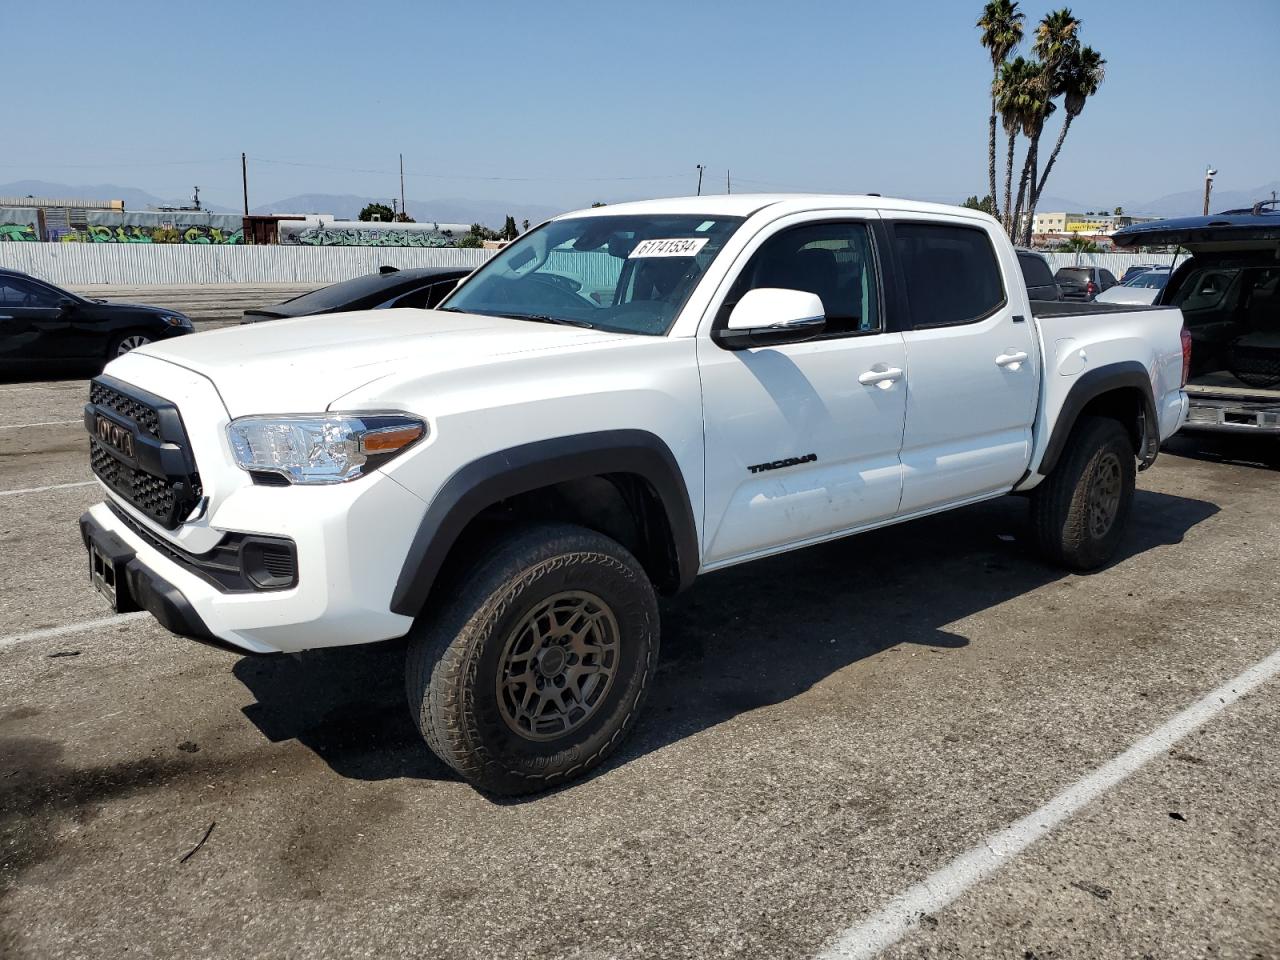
1079,511
534,670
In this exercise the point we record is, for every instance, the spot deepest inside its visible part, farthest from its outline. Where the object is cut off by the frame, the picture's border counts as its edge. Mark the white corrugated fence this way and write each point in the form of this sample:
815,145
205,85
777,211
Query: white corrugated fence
77,264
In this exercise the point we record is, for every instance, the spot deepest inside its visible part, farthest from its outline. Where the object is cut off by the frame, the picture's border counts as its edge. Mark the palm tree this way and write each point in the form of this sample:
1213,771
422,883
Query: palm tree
1057,40
1001,26
1037,107
1079,78
1078,245
1012,89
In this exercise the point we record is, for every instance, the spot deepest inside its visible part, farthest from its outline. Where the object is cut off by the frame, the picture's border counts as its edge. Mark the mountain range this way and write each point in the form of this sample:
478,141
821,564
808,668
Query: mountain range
493,212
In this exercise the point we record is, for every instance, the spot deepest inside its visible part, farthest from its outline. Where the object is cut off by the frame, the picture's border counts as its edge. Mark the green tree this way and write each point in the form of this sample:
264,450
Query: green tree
469,240
597,204
524,226
987,204
1078,244
509,229
403,217
1119,212
379,211
1001,26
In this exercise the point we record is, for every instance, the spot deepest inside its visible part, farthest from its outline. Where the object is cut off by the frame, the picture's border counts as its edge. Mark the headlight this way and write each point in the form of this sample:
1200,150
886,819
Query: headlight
322,448
174,320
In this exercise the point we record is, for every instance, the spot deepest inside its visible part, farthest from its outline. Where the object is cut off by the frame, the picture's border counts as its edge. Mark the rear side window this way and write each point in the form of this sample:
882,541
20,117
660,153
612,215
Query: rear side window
1035,271
951,273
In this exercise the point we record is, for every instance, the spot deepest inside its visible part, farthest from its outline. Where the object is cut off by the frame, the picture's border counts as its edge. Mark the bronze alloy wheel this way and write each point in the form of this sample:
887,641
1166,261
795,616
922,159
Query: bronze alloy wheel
1104,495
557,665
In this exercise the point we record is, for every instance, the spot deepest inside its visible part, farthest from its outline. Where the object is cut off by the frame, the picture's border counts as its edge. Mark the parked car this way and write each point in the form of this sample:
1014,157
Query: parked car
389,287
1083,283
1137,268
1229,293
43,324
1140,289
512,479
1038,276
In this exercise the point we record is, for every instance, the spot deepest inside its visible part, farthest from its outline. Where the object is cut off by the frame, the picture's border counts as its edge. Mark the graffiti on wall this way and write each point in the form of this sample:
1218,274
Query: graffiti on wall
161,233
355,237
18,233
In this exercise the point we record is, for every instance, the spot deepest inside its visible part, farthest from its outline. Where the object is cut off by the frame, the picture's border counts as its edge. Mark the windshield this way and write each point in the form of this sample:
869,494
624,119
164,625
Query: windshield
1153,279
629,274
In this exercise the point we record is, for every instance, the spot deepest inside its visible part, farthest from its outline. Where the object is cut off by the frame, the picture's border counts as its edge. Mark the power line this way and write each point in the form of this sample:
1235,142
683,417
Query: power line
458,176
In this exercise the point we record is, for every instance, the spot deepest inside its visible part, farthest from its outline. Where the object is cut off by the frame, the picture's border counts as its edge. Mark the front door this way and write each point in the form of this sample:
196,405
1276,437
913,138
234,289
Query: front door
973,359
797,447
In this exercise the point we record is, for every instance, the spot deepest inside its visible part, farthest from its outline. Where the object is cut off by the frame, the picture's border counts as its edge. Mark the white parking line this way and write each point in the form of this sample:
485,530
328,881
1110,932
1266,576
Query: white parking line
40,423
49,632
56,486
899,916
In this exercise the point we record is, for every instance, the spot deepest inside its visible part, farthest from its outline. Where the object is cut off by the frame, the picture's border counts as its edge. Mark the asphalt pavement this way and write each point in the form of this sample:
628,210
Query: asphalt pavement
827,730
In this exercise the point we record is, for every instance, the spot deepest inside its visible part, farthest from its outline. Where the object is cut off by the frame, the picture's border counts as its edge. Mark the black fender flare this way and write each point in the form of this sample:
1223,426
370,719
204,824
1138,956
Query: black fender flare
507,473
1092,384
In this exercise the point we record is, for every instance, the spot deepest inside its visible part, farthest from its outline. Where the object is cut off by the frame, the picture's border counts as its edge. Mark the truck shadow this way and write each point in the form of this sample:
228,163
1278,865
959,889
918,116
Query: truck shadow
740,640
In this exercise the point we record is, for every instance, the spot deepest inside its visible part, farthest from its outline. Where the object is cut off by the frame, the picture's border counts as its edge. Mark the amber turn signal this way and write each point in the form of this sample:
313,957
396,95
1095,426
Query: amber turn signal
390,439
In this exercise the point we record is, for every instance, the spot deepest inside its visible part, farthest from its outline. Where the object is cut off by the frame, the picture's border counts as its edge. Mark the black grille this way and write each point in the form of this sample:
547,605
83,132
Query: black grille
137,411
152,495
143,453
278,562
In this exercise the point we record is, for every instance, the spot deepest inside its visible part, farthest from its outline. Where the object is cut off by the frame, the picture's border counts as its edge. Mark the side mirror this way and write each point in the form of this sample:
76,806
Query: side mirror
770,315
66,305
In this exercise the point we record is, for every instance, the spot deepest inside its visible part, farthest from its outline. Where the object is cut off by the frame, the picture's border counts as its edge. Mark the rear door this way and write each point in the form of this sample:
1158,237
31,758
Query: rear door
972,359
802,439
31,321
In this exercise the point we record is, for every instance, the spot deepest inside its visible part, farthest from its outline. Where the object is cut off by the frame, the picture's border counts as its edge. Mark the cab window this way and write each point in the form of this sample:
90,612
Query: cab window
835,261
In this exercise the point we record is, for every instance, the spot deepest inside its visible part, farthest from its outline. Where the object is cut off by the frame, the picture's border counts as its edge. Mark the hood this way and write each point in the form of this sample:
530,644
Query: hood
135,308
303,364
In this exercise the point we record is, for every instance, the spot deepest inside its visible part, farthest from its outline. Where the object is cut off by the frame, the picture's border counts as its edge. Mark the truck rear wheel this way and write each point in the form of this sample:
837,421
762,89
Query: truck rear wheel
1079,511
535,669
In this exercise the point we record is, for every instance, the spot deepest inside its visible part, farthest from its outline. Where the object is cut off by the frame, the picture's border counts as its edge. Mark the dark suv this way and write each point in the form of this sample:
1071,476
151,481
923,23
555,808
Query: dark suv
1084,283
1038,276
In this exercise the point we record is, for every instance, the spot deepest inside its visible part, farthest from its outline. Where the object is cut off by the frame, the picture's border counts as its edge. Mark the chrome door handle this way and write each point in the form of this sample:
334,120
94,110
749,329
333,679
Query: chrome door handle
881,378
1011,359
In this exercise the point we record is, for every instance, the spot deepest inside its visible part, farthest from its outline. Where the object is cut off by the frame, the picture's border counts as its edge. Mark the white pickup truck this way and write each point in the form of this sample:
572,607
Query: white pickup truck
620,400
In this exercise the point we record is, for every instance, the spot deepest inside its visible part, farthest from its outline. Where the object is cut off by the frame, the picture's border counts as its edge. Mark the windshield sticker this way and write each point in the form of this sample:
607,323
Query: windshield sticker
668,248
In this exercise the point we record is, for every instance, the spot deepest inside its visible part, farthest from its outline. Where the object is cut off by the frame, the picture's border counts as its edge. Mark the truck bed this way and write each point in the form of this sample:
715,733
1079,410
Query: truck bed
1076,308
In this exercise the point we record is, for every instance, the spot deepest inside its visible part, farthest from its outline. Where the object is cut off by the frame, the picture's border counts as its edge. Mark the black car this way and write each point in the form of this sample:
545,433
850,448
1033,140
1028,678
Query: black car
390,287
1038,276
1083,283
43,324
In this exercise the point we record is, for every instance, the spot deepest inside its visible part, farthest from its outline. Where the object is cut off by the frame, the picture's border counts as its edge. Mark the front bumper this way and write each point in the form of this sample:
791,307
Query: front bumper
351,540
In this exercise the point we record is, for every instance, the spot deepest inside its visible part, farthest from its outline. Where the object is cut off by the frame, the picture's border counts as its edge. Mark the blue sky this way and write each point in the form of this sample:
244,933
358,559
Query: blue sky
559,100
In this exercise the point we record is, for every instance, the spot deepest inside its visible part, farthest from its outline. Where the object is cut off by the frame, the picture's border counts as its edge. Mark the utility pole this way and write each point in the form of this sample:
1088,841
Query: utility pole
700,168
1209,174
728,187
244,179
403,208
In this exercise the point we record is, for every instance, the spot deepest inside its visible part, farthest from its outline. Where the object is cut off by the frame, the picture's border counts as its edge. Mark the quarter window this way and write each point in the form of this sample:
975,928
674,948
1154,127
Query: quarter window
951,273
835,261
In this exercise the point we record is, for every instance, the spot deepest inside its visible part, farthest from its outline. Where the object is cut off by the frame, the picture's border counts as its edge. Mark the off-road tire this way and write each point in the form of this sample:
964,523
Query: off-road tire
1064,517
455,656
